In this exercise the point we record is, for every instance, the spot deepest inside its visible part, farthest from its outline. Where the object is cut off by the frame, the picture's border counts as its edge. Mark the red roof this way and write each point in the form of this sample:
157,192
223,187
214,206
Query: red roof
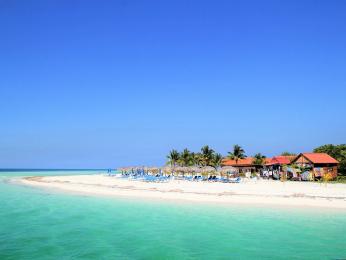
281,160
242,162
319,158
267,160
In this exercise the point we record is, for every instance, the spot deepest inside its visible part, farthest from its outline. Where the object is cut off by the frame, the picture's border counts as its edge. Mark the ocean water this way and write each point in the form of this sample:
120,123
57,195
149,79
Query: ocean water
42,224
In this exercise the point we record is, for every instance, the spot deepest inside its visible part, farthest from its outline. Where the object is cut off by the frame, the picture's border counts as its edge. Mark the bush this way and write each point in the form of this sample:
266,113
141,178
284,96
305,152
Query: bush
336,151
241,174
341,179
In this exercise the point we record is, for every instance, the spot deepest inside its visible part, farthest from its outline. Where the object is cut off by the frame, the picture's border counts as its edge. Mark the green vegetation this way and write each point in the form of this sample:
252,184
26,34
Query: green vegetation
336,151
258,159
206,157
217,160
238,153
186,158
341,179
288,154
173,157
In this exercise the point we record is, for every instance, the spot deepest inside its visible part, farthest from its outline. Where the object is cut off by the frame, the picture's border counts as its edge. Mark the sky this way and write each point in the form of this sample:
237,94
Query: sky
100,84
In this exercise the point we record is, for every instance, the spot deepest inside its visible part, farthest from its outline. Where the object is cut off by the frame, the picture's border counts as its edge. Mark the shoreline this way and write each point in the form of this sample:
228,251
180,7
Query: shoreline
263,192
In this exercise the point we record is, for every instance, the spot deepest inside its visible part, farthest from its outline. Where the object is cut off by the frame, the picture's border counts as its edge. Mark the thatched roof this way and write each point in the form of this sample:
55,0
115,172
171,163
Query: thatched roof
195,169
181,169
168,169
208,169
228,169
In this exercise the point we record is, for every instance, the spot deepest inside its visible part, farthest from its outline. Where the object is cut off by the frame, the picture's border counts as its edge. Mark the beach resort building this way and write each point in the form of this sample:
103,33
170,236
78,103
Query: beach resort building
318,164
276,165
305,166
280,160
244,165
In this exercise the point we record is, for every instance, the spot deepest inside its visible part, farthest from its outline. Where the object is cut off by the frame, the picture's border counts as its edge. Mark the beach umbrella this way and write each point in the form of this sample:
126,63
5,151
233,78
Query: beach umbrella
177,169
168,169
181,169
194,170
228,169
207,170
125,169
191,170
185,170
154,170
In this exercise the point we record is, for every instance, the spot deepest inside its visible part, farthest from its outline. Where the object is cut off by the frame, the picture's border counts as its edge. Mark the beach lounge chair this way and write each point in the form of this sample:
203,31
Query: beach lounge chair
234,180
224,180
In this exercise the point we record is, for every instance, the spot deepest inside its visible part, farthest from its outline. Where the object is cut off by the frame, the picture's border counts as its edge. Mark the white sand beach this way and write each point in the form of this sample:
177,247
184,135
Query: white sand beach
303,194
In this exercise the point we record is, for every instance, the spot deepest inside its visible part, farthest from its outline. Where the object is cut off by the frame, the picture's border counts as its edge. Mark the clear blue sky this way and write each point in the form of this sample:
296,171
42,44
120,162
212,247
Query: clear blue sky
109,83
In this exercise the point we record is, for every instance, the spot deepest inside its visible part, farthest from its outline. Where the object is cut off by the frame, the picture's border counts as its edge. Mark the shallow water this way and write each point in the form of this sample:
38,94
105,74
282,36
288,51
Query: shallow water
42,224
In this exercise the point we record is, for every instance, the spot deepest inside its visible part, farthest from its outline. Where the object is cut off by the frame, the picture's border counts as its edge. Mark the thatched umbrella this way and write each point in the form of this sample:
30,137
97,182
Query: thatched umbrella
182,169
154,170
168,169
228,170
207,170
186,170
194,170
178,169
125,169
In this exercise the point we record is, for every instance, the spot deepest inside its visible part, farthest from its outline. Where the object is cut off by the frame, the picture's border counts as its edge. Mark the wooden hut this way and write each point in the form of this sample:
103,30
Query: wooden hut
319,164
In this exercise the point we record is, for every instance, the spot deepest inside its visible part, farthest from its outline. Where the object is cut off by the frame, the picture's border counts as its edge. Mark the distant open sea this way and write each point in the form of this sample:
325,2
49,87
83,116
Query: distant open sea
42,224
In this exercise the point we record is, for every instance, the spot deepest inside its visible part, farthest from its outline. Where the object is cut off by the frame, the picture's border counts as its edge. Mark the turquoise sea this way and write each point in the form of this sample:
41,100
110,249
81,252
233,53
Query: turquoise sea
43,224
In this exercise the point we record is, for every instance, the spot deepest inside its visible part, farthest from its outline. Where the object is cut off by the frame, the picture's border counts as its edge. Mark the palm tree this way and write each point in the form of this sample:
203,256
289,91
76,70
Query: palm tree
259,159
216,161
197,159
185,158
288,154
173,157
207,155
238,153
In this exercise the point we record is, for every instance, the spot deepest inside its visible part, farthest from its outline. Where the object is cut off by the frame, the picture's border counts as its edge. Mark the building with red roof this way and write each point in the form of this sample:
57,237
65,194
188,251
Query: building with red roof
275,165
245,164
280,160
319,164
315,158
316,165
